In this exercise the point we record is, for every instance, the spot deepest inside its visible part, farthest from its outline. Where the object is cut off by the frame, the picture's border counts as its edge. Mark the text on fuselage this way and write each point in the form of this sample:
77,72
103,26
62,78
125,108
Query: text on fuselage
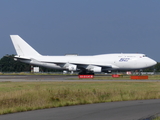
124,59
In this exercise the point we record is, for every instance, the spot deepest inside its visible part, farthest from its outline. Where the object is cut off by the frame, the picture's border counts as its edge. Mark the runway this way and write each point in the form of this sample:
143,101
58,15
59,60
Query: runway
126,110
59,78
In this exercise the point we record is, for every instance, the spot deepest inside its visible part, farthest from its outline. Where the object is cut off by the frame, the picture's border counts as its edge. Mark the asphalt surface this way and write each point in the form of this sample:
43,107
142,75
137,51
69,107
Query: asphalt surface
58,78
126,110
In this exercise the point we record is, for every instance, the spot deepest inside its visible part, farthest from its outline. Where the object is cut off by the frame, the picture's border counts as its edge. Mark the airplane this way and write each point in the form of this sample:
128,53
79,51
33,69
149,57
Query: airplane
83,64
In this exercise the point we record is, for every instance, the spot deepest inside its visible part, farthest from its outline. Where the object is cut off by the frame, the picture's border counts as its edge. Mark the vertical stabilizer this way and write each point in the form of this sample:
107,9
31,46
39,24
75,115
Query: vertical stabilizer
22,48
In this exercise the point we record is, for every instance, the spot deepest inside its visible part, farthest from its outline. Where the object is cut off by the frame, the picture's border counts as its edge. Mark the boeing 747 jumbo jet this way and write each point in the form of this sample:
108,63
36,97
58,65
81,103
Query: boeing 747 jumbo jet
82,64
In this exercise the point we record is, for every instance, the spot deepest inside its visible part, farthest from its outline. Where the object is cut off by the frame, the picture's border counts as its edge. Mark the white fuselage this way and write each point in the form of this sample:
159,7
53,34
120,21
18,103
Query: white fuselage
112,61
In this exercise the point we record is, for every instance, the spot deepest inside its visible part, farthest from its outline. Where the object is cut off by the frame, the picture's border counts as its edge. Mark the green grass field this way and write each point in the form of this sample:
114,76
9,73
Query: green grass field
24,96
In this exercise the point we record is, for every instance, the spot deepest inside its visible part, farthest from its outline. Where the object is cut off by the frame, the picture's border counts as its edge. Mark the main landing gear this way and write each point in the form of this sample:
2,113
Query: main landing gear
86,73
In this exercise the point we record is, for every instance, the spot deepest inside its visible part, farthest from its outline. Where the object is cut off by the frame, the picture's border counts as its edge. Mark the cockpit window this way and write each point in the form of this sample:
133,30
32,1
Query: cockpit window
144,55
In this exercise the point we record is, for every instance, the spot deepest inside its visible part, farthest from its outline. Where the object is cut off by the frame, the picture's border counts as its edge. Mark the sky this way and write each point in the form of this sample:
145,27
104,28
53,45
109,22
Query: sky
83,27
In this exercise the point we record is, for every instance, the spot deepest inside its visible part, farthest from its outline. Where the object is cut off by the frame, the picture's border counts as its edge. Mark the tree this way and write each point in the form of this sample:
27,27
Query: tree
8,64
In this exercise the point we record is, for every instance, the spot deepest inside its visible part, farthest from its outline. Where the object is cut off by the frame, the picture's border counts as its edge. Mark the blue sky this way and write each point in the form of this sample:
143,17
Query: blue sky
84,27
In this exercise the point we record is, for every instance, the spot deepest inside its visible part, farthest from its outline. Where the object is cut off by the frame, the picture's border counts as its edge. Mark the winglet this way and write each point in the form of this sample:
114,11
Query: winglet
22,48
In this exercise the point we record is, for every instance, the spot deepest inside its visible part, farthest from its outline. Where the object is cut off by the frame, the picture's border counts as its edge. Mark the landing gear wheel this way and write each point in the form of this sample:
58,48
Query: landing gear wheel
86,73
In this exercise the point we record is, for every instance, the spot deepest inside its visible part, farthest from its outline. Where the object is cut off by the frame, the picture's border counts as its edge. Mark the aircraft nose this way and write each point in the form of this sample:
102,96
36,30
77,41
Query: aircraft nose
151,62
154,62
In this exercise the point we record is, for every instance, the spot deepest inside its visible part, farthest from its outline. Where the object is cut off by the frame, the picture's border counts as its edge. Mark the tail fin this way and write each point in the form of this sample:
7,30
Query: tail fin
22,48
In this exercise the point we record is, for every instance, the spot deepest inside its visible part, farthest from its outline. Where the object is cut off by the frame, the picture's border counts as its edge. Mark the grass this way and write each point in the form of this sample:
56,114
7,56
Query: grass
157,118
24,96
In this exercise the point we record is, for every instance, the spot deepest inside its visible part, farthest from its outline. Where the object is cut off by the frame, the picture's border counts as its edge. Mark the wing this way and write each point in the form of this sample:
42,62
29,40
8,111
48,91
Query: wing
83,67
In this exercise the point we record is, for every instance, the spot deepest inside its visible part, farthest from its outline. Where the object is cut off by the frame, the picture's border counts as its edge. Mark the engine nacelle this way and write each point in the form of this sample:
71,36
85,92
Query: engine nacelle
95,69
70,67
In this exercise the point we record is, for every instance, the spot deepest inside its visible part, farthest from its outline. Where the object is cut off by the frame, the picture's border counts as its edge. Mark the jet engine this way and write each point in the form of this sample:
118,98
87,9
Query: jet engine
95,69
70,67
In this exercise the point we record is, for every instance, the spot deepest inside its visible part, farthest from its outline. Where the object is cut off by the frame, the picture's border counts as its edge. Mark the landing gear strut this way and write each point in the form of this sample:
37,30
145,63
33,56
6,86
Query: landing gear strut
140,72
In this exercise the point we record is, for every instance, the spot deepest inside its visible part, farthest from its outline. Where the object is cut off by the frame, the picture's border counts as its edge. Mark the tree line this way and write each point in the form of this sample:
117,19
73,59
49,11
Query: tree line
8,64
